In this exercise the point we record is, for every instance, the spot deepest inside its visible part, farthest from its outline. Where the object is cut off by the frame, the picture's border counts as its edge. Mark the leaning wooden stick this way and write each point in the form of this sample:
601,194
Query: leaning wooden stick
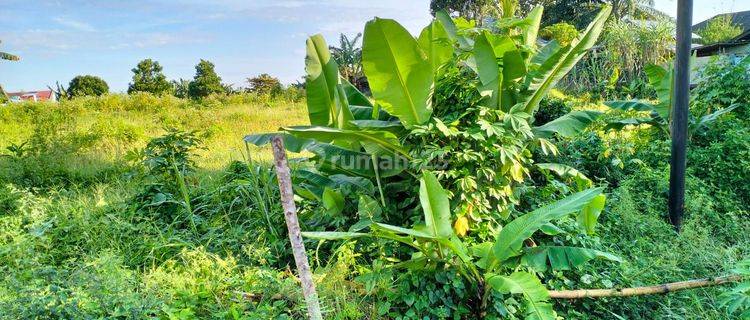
628,292
290,214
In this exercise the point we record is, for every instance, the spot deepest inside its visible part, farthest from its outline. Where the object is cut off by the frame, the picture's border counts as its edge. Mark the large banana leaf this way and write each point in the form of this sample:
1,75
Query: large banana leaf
662,80
490,74
511,237
321,81
619,124
705,120
561,257
567,125
565,171
435,205
380,143
398,72
451,30
291,143
589,215
336,160
534,293
531,31
635,105
342,114
435,43
333,201
560,63
354,96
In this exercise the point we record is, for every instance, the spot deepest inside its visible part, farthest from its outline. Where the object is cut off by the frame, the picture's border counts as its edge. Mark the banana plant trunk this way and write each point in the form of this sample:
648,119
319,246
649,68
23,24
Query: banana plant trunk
283,175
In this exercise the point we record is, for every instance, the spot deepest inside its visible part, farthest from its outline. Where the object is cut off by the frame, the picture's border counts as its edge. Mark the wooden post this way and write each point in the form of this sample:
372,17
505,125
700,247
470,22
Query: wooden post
639,291
680,101
290,215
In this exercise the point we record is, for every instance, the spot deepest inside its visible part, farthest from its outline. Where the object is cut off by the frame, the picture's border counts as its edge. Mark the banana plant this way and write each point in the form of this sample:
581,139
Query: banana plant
512,71
737,299
490,266
347,126
661,79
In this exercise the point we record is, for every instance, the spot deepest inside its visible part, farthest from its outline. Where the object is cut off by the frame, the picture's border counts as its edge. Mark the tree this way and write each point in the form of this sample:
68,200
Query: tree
87,86
205,82
9,57
181,88
580,12
469,9
264,84
719,29
148,77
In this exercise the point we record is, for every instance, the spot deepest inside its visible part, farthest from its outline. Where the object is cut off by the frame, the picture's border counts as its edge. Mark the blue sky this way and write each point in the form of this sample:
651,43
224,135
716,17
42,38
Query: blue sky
60,39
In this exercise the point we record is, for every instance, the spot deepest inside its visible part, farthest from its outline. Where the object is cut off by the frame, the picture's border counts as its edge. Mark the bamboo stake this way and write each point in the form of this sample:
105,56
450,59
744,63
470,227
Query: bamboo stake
638,291
290,215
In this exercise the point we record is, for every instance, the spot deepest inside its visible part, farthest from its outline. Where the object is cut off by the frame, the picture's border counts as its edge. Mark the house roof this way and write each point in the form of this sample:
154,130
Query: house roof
741,18
24,95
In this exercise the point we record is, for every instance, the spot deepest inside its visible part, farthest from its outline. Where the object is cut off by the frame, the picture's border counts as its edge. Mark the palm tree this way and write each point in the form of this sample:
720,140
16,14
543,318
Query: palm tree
10,57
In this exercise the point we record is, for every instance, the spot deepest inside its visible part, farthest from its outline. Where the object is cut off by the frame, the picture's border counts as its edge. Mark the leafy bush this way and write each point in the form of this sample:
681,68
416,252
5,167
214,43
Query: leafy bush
205,82
87,86
721,157
615,70
551,108
562,32
722,83
148,77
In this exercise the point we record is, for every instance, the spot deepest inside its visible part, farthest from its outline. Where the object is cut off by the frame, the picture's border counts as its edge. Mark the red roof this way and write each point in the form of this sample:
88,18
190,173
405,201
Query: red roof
29,95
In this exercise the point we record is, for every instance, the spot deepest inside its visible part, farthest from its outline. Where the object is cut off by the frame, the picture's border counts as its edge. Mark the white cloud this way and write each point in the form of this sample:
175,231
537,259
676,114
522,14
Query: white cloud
74,24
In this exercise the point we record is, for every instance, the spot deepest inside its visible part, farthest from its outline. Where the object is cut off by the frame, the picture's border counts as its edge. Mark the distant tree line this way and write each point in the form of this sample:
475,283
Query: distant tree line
148,77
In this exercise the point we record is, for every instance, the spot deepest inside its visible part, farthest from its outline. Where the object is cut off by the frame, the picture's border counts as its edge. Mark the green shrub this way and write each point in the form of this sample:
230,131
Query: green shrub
87,86
551,108
562,32
723,82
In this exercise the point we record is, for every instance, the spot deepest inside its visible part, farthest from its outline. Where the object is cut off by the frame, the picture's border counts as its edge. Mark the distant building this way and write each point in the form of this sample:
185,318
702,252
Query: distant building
737,47
43,95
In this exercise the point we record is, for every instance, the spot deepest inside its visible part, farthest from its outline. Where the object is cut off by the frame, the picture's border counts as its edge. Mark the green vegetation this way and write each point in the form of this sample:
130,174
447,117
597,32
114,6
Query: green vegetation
265,84
82,86
205,82
719,29
464,187
147,77
561,32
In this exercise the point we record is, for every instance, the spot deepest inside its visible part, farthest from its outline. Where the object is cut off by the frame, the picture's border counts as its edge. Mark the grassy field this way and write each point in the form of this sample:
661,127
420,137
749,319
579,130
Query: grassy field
108,127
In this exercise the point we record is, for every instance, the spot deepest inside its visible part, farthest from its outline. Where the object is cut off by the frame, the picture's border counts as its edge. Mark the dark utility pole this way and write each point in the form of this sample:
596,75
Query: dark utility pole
680,102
